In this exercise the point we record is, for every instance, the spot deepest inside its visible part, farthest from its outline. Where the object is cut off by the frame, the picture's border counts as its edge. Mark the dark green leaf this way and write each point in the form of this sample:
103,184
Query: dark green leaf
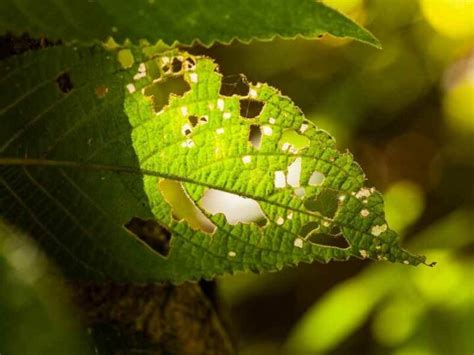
172,21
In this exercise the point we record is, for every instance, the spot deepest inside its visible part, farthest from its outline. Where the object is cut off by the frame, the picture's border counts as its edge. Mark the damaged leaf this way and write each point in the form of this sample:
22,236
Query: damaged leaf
76,169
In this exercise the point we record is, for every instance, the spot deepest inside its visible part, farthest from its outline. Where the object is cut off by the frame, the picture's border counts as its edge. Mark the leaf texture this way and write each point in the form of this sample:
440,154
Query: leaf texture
86,147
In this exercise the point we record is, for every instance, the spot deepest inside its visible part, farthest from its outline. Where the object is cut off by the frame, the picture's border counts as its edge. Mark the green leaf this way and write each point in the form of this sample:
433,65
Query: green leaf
86,147
34,316
172,21
342,303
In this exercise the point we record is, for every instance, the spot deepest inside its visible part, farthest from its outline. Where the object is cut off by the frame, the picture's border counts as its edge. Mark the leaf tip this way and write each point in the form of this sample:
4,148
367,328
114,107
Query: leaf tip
349,28
373,41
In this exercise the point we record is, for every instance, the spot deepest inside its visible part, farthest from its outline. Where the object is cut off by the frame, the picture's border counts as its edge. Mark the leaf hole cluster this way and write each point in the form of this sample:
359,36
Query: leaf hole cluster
234,85
189,64
161,90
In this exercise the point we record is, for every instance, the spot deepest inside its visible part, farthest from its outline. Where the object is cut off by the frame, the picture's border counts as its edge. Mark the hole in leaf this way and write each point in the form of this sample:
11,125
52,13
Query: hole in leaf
267,130
141,73
299,192
164,62
234,85
189,63
316,179
176,65
186,130
326,203
335,230
184,207
337,241
293,142
153,69
64,83
303,127
157,237
280,179
131,88
308,228
161,90
237,209
193,77
378,229
193,120
294,173
125,58
255,136
250,108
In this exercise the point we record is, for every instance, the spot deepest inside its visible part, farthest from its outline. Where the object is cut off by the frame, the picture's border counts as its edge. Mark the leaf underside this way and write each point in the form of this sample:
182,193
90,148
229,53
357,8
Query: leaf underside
171,21
84,148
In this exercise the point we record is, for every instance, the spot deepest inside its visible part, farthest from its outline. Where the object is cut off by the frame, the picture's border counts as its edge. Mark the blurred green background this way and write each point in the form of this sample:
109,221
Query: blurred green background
36,316
407,114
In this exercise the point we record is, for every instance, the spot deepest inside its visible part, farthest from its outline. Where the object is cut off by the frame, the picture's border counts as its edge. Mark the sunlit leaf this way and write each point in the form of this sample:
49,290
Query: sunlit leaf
88,144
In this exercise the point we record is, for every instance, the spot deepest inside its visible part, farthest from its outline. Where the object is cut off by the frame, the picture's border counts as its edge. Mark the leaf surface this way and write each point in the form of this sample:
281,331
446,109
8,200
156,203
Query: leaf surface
174,21
88,145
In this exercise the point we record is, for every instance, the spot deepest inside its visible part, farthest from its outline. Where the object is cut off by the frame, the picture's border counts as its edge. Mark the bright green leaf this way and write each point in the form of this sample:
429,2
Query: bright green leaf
174,21
85,149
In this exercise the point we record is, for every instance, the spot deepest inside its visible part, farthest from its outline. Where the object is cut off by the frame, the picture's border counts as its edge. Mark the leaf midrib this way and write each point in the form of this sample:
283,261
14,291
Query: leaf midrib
130,170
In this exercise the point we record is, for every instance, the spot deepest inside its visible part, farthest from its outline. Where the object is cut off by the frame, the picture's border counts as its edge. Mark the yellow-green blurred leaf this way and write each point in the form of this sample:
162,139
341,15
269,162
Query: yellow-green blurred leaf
453,18
404,203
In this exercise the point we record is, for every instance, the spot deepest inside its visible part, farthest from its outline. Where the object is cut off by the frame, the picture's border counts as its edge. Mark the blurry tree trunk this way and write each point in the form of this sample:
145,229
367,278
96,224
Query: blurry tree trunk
151,319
